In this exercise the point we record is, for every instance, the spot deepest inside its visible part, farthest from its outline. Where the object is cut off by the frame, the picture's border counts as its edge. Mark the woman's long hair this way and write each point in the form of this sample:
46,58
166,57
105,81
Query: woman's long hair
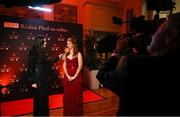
75,48
38,45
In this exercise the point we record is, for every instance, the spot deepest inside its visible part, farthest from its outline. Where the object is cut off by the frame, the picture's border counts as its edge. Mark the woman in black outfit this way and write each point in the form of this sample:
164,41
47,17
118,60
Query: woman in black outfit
39,71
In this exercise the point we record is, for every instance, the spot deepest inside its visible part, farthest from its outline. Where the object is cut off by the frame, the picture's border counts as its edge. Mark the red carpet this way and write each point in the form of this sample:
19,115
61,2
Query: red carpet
20,107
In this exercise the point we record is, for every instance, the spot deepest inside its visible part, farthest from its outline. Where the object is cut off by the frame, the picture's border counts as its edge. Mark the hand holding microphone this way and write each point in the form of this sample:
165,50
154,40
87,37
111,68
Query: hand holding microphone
66,50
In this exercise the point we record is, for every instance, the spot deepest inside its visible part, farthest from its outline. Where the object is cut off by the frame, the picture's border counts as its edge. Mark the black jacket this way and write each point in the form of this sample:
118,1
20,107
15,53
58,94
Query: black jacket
146,85
39,66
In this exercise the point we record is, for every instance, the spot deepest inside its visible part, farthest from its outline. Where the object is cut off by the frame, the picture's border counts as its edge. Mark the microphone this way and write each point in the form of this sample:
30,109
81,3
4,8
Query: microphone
66,50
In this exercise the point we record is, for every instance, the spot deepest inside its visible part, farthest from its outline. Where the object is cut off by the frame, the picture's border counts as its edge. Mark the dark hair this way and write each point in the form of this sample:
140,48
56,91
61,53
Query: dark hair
174,23
38,45
39,41
174,18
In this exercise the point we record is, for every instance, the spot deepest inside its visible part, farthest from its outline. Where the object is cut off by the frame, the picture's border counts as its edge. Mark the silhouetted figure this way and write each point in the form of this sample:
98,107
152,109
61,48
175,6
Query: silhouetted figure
39,71
148,85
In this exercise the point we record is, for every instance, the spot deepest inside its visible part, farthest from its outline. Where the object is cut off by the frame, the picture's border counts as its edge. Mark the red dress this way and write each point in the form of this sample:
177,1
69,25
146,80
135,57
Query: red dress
73,92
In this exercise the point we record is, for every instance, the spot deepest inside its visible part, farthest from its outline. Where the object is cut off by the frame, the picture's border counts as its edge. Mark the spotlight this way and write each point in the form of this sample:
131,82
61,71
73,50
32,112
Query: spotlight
13,3
40,8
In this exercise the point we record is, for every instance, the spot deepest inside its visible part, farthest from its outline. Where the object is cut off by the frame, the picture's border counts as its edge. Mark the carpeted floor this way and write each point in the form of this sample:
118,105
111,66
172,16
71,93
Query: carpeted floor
25,106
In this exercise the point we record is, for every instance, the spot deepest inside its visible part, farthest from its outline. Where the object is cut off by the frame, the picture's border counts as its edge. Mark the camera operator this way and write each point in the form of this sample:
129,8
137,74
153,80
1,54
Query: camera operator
147,84
138,44
139,35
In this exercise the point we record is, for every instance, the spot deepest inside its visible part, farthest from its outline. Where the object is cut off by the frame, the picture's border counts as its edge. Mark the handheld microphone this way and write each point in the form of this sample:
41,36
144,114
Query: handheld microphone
66,50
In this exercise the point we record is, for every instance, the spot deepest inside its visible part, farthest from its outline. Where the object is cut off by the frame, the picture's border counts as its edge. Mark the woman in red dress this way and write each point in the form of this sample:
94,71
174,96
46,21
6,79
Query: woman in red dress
73,92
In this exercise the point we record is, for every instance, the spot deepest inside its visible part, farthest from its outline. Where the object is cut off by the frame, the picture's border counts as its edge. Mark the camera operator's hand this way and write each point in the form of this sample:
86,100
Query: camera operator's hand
115,52
120,46
34,85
